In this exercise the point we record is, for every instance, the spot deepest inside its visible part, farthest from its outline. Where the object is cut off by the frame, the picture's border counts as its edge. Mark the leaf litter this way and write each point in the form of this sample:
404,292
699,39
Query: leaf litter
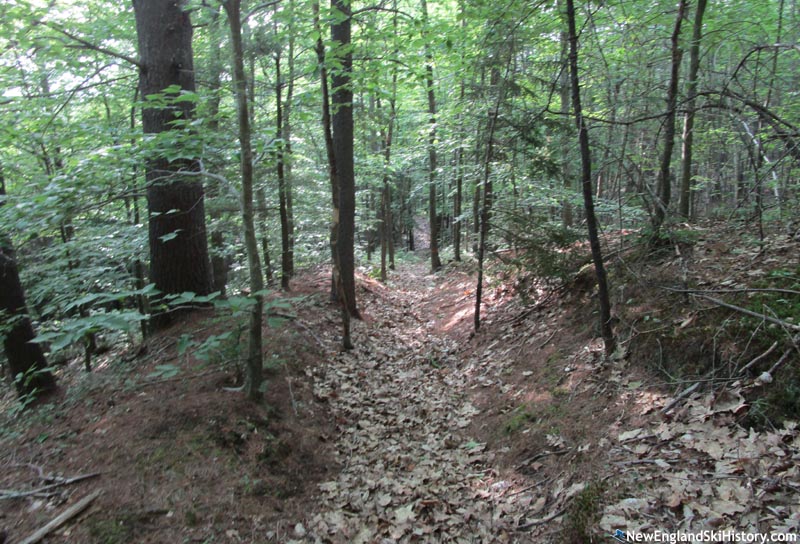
410,472
416,468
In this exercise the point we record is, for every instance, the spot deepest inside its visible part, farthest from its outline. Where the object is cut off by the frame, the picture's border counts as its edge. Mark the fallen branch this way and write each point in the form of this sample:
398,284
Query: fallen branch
11,494
178,378
62,518
739,290
784,358
718,302
538,306
310,332
541,521
547,341
757,359
682,395
540,455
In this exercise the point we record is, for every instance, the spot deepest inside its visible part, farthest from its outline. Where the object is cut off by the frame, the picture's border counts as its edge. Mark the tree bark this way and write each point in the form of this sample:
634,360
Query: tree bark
459,196
433,222
254,375
283,192
586,184
488,196
386,193
179,259
664,186
287,141
219,262
26,361
564,94
328,136
342,133
688,119
387,221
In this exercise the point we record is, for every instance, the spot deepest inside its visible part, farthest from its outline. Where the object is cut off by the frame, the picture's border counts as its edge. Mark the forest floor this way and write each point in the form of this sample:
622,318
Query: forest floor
426,431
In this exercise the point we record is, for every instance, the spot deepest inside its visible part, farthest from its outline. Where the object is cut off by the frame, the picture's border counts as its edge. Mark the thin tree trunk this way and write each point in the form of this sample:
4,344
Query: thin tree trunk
664,187
386,193
286,257
459,196
564,88
436,262
328,134
586,183
488,195
142,303
287,142
254,375
261,203
688,119
387,221
219,264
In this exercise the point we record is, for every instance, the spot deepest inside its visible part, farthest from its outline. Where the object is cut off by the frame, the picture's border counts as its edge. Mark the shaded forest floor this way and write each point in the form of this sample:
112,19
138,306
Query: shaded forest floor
427,432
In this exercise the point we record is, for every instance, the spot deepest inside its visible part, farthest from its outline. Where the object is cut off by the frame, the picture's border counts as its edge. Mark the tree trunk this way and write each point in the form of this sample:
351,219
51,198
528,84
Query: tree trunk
219,262
287,143
386,192
261,203
563,92
26,361
586,184
286,256
459,196
253,378
664,186
487,192
342,132
179,259
688,119
328,134
433,221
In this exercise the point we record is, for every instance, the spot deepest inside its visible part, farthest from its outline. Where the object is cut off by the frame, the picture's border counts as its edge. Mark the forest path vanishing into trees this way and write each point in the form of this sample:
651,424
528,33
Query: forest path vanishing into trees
424,433
410,471
524,432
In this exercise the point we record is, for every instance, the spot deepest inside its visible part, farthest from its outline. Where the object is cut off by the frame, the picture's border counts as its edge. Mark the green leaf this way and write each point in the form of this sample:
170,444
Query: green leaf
170,236
164,372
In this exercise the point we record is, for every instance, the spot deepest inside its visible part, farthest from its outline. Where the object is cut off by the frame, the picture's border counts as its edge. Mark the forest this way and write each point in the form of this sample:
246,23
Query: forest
399,271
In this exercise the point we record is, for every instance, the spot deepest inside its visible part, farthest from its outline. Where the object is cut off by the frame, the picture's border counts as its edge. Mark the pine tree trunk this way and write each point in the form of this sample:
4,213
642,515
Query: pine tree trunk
179,259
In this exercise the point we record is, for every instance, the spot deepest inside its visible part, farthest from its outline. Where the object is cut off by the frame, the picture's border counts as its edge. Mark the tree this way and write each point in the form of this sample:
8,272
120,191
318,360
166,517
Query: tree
26,361
179,259
287,261
253,379
664,186
342,134
586,184
688,118
433,219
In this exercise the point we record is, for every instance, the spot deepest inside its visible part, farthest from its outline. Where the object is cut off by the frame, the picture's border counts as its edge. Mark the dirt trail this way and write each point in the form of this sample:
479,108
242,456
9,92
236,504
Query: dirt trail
423,433
410,472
